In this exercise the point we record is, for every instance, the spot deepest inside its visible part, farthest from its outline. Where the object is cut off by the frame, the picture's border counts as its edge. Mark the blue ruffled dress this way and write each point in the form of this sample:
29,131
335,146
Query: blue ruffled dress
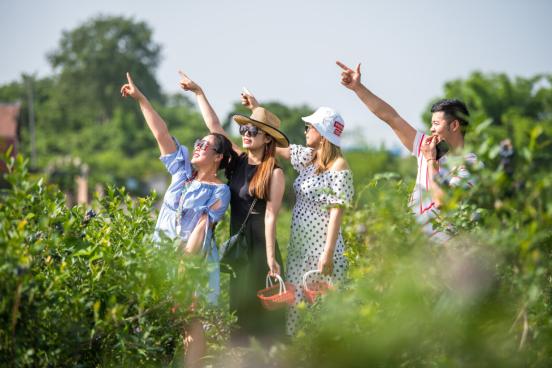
184,202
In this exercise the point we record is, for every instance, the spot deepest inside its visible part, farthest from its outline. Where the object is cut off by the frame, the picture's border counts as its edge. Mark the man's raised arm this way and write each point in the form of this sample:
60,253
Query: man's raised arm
351,79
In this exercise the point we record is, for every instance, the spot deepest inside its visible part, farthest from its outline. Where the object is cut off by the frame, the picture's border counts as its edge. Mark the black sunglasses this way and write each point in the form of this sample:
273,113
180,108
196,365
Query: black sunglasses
252,130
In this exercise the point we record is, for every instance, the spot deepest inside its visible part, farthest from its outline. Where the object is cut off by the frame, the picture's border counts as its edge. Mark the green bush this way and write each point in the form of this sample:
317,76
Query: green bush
88,288
481,300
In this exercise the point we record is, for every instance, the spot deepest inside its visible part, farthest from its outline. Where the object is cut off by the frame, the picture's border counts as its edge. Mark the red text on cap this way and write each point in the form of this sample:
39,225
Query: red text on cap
338,128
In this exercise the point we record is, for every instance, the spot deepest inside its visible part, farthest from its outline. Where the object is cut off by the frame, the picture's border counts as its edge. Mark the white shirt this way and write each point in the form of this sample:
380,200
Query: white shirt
421,203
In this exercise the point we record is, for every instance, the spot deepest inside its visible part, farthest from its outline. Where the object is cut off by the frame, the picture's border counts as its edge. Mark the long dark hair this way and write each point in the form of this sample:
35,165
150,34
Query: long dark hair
223,146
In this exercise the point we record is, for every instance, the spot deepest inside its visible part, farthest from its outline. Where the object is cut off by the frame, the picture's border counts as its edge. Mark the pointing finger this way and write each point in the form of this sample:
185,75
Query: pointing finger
358,68
129,78
182,74
343,66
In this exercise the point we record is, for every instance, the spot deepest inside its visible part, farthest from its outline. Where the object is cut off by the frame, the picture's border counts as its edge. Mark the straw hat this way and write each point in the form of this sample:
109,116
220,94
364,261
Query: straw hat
267,122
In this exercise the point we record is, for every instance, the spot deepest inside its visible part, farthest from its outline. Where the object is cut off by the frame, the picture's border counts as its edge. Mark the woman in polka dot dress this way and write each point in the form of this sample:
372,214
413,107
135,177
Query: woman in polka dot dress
323,188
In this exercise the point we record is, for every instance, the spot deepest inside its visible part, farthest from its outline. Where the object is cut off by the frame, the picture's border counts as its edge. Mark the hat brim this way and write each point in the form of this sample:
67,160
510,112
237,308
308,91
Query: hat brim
280,138
316,125
307,119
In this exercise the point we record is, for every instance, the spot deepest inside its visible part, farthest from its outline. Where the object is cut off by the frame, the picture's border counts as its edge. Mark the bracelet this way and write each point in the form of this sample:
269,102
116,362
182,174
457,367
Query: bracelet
432,159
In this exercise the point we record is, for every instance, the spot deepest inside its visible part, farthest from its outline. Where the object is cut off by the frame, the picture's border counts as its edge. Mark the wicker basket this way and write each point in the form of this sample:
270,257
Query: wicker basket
277,296
314,289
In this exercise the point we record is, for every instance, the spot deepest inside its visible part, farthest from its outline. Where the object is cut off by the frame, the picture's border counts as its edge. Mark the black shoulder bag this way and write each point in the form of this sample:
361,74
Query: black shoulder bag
234,251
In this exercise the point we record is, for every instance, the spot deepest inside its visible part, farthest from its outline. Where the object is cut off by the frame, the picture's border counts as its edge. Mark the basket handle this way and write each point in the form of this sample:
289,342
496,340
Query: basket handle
280,281
312,272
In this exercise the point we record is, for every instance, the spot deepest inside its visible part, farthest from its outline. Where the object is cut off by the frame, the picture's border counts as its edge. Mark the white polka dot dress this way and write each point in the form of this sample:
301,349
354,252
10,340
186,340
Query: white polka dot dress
315,195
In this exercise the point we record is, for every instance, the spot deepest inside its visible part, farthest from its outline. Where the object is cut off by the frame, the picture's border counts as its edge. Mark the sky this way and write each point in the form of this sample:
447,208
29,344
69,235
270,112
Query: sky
286,50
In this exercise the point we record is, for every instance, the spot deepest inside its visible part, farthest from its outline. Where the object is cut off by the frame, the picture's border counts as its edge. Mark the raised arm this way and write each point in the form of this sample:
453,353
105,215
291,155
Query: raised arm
283,153
155,123
249,101
351,79
207,112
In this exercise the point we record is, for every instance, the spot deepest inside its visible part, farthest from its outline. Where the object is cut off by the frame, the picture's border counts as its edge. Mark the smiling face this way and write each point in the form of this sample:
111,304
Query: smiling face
253,138
312,137
441,128
204,153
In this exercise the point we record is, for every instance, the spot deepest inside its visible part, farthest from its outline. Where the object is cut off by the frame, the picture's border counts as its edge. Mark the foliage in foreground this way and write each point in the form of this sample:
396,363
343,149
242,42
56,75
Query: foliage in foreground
89,287
483,299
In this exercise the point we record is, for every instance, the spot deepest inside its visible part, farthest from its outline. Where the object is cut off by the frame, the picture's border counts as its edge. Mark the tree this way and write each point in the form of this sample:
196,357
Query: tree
80,113
91,61
508,108
502,99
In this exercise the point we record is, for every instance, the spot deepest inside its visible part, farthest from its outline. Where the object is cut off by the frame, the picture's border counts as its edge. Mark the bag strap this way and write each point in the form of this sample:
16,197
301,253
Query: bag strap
247,217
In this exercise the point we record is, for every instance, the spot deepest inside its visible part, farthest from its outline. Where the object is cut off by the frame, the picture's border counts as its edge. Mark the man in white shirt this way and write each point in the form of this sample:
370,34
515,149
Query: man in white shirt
448,123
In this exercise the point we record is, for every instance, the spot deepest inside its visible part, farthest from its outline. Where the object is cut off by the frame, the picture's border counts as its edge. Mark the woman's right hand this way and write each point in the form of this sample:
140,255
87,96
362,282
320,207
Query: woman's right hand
187,84
248,100
130,89
273,268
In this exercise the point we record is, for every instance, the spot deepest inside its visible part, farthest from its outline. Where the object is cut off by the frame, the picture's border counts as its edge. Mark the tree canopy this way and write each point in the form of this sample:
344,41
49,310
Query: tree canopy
91,59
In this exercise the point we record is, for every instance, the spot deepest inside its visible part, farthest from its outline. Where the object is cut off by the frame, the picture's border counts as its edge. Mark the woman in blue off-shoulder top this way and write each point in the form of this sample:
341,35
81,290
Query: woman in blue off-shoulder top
195,200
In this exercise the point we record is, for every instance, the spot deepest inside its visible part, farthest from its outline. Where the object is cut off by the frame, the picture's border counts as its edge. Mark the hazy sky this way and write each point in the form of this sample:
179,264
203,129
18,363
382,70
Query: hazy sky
286,50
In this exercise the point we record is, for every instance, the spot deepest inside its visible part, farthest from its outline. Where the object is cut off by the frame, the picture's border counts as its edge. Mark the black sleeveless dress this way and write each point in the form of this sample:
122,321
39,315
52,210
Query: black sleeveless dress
253,320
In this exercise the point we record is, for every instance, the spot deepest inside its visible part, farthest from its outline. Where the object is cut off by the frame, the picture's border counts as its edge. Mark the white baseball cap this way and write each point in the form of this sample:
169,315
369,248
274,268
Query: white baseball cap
328,123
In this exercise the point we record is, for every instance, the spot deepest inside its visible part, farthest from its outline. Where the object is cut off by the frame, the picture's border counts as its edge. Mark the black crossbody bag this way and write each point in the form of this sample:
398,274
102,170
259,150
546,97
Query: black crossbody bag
234,251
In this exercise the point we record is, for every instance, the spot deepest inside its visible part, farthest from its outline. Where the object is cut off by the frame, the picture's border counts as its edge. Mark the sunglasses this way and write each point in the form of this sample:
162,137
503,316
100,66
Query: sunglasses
252,130
307,128
201,144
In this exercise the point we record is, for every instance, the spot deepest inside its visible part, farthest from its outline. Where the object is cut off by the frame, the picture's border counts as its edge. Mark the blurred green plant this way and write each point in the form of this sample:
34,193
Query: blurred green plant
88,286
483,299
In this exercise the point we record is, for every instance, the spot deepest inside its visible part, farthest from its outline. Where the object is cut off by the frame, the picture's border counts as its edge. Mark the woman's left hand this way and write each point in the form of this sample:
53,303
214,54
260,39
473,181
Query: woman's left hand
248,101
325,265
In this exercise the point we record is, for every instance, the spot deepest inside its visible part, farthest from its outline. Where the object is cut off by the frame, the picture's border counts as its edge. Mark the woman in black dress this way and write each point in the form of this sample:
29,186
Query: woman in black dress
256,174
